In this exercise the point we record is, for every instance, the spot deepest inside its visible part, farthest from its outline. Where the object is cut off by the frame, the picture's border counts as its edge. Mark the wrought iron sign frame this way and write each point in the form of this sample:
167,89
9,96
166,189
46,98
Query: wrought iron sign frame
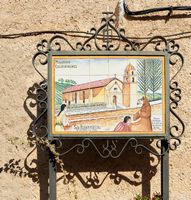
116,54
112,39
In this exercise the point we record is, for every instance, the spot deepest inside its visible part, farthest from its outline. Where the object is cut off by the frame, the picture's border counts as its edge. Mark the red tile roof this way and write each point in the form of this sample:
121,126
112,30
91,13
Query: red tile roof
93,84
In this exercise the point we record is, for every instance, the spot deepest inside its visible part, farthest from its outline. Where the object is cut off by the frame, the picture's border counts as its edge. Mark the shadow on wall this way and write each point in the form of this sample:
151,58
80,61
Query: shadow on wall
141,168
34,166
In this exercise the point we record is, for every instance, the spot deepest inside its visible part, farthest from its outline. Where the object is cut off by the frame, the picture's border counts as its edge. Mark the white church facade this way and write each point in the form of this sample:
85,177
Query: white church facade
110,91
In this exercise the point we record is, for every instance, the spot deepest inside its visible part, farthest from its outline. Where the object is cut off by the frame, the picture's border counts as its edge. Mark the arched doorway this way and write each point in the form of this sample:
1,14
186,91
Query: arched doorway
115,100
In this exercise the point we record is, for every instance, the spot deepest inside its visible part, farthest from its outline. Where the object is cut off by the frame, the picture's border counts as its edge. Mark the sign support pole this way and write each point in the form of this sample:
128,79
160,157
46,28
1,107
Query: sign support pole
52,177
165,170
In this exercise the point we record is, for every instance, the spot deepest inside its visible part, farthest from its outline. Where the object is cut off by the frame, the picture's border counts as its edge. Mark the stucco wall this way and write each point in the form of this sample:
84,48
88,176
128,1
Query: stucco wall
17,75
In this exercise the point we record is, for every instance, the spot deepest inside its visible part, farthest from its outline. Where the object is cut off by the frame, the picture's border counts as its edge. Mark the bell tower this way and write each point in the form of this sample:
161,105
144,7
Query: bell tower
130,86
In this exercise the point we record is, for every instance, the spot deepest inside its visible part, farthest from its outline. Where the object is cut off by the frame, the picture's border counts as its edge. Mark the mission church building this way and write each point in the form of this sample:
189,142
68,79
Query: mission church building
110,91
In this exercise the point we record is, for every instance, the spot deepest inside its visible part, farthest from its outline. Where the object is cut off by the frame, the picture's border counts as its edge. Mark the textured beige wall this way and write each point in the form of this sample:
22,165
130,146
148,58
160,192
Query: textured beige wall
17,75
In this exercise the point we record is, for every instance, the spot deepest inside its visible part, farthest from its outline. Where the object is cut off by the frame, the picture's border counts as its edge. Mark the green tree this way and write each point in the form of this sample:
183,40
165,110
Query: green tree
143,75
72,82
155,75
60,86
61,80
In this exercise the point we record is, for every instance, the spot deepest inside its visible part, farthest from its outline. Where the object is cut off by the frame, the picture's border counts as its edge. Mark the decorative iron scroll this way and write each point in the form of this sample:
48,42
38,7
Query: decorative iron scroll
108,38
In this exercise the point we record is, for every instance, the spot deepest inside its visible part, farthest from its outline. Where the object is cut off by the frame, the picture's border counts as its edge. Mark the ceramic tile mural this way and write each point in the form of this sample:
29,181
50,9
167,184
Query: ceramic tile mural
108,94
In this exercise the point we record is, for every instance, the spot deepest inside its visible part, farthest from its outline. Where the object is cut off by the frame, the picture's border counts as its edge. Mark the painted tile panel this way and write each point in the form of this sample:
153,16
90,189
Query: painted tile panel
106,94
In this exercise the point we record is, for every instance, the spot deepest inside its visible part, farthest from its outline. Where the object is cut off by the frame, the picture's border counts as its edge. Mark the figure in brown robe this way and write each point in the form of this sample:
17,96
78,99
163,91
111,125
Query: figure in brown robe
143,118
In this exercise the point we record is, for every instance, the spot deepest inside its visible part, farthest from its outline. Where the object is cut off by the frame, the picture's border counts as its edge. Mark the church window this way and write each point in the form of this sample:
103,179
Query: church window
115,88
133,79
132,72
